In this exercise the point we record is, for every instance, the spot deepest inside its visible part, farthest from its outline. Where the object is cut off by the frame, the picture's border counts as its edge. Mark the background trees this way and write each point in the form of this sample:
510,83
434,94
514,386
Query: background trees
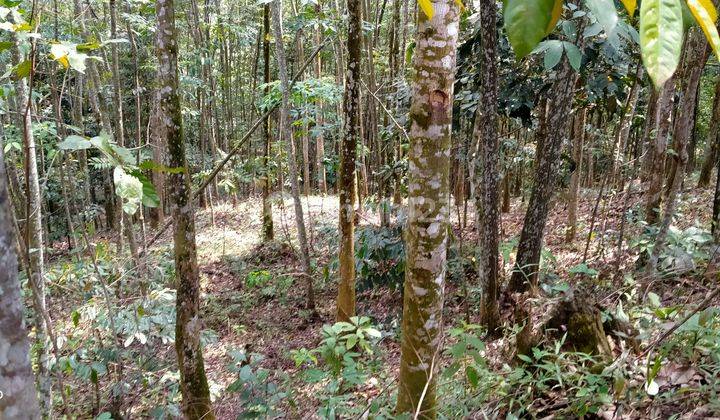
590,127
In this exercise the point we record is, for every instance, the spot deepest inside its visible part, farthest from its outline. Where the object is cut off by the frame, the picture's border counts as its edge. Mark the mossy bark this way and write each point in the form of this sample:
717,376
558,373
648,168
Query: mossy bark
188,326
428,207
348,151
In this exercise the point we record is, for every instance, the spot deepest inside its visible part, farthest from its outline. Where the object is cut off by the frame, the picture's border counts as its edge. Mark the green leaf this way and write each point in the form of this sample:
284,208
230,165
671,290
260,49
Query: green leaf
150,196
74,142
705,15
75,318
5,45
472,376
574,55
553,54
22,70
661,38
129,188
526,23
605,13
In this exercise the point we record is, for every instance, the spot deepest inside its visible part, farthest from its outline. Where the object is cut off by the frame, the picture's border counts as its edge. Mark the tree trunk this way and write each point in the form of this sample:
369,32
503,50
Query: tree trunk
34,235
656,153
286,132
550,141
320,140
716,206
17,382
428,208
712,144
486,131
577,156
267,218
346,179
188,326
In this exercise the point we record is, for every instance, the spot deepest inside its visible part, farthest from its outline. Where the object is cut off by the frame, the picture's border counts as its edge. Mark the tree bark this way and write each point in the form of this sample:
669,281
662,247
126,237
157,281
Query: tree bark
656,153
577,156
712,144
286,132
428,208
188,326
550,141
17,382
348,151
267,218
486,130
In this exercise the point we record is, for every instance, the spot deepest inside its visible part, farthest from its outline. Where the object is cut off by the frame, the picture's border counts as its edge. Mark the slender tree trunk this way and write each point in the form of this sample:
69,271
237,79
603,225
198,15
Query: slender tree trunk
34,235
550,141
188,326
428,208
17,382
658,147
319,119
286,132
346,180
267,217
716,206
712,144
577,156
486,130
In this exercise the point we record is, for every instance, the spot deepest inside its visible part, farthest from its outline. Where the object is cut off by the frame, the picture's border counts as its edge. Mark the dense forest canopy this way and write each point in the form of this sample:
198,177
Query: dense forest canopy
359,209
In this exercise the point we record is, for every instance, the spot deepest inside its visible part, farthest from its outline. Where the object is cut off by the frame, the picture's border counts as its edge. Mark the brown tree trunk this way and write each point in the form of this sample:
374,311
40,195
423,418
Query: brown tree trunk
712,144
188,326
577,156
486,130
267,218
346,179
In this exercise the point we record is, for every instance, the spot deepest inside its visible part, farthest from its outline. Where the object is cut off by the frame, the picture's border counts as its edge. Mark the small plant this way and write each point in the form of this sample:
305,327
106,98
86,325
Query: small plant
258,278
380,258
260,396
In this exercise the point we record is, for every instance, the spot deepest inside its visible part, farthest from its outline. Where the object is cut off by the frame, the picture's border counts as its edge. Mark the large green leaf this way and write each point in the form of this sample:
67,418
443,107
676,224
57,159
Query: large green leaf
74,142
129,189
605,13
661,37
526,23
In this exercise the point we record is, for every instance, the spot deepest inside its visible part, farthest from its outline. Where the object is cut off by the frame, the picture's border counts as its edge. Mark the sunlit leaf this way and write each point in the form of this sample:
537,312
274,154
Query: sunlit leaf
427,7
706,19
661,37
526,23
630,6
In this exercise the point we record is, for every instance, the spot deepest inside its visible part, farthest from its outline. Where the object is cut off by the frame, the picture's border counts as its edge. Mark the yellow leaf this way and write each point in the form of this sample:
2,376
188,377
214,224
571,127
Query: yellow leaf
556,13
427,7
64,61
710,7
704,18
460,5
630,6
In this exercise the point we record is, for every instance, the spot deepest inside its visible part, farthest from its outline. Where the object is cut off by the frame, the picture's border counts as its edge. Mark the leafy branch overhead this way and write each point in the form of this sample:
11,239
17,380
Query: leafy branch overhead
661,28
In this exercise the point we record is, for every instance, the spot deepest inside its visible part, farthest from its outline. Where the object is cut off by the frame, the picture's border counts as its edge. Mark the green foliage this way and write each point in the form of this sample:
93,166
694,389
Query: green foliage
526,23
380,257
260,396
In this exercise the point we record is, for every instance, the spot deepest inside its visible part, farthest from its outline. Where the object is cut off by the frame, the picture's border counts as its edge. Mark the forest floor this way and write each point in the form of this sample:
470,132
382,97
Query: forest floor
254,300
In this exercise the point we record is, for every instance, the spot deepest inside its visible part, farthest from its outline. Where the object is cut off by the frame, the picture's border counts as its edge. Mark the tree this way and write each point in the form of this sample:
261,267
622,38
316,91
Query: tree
712,143
656,152
286,133
267,219
486,131
17,383
188,326
428,206
550,141
347,183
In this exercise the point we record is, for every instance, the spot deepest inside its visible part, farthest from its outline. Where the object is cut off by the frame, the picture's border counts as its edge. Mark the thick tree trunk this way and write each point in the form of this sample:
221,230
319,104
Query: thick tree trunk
346,179
19,400
267,218
188,326
550,141
428,208
286,132
486,131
